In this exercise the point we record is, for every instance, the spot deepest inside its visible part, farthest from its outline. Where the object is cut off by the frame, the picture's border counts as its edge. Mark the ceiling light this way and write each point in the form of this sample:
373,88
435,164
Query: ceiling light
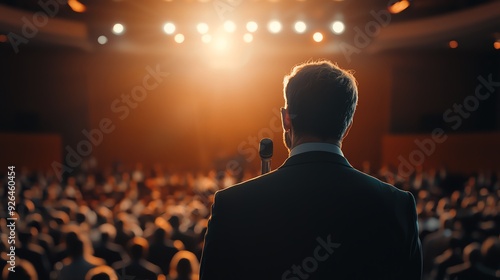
118,29
398,6
248,38
202,28
252,26
76,6
179,38
338,27
169,28
102,39
300,27
318,37
274,26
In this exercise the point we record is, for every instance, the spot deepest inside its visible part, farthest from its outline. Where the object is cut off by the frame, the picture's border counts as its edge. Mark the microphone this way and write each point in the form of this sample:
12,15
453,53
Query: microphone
266,152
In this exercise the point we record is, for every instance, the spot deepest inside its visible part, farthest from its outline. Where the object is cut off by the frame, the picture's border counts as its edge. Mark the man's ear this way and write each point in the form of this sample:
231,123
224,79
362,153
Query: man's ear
347,131
285,119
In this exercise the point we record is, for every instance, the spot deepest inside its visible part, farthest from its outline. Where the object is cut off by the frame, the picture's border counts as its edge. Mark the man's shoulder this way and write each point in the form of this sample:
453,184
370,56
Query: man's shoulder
349,178
250,185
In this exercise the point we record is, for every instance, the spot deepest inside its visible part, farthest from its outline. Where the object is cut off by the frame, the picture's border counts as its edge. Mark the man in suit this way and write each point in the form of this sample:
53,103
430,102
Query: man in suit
315,217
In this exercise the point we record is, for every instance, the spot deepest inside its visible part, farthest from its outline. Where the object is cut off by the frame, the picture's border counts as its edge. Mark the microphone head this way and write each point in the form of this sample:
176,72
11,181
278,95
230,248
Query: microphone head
266,148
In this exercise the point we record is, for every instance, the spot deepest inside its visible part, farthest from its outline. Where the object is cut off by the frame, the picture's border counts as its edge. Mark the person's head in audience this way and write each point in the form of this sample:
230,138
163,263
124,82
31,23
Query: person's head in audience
138,248
472,253
36,221
490,251
74,245
108,232
102,272
184,266
159,235
320,100
174,222
24,270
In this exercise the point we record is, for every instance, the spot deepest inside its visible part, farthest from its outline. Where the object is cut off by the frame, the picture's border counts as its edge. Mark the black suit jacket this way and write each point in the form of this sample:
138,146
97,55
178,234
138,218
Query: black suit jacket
315,217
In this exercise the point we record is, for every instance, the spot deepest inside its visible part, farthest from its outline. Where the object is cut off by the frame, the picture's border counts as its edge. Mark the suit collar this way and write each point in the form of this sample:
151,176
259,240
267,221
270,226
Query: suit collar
315,156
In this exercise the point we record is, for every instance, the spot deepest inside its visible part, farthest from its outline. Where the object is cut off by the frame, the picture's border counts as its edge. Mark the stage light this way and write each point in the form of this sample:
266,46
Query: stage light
102,39
206,38
338,27
252,26
496,45
202,28
274,26
318,37
300,27
248,37
398,6
229,26
76,6
169,28
453,44
3,38
179,38
118,29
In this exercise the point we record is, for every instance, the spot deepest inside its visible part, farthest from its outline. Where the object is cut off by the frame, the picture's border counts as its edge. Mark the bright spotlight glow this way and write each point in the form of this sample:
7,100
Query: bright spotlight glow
229,26
169,28
221,44
102,39
76,6
300,27
398,6
274,26
118,29
202,28
338,27
179,38
252,26
318,37
496,45
248,38
206,38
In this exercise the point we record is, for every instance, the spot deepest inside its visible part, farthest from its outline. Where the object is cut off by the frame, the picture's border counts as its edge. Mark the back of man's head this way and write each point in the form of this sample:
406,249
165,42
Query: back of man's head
321,99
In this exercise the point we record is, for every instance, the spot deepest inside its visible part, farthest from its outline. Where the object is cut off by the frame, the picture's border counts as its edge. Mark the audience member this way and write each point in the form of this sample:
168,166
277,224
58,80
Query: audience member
184,266
102,272
80,259
138,267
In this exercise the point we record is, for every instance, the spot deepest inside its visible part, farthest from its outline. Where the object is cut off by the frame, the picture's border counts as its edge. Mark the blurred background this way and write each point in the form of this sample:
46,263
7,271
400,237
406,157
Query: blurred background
128,115
63,66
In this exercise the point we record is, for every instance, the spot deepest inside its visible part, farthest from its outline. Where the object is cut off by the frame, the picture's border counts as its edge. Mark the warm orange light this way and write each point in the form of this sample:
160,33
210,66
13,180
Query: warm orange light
3,38
179,38
318,37
76,6
496,45
453,44
398,6
248,38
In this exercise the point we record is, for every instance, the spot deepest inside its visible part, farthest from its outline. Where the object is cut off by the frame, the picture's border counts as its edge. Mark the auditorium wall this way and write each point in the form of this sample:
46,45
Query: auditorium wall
186,112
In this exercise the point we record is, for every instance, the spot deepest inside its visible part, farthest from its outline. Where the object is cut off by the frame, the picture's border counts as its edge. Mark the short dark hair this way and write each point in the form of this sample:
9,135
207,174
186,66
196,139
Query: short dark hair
321,99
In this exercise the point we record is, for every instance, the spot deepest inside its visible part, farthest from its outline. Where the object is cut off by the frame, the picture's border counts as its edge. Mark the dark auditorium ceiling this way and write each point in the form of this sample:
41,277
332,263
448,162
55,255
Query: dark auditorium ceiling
99,10
143,16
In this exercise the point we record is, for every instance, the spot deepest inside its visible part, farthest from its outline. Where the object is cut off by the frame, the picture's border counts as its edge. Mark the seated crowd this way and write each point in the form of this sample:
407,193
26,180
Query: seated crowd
150,224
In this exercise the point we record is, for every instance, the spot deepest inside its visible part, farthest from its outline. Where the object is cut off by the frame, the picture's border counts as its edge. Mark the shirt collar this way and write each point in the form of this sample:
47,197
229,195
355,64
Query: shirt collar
316,147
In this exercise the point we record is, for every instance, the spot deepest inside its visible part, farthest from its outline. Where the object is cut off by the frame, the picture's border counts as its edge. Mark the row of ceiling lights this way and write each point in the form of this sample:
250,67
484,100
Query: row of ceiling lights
274,27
